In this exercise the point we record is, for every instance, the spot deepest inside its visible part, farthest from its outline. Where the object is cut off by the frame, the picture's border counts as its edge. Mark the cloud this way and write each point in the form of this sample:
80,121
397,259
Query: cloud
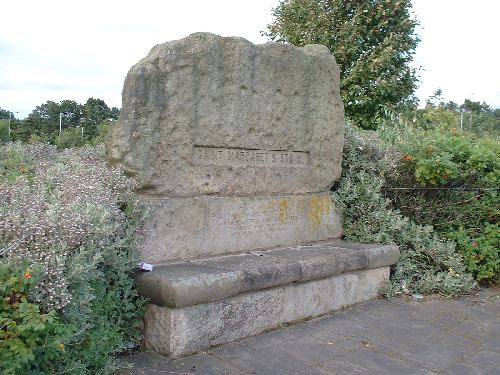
74,50
55,50
458,50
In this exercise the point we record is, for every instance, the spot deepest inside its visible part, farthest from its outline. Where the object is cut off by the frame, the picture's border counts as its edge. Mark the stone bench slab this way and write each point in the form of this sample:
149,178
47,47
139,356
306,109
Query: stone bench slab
189,283
177,332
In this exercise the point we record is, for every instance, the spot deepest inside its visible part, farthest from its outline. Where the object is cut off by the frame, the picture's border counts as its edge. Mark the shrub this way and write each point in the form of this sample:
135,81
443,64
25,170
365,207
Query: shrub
102,131
449,179
13,164
427,264
30,340
71,137
4,131
75,220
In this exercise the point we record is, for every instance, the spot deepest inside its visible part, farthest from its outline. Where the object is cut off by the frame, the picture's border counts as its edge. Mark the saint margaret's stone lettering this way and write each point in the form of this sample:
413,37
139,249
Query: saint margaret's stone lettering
232,156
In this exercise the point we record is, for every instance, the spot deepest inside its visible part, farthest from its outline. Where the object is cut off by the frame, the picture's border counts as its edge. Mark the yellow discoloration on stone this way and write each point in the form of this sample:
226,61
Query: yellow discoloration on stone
284,206
318,208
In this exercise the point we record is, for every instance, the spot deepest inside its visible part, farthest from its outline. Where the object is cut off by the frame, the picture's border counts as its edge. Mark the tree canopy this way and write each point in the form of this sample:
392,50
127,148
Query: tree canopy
43,121
373,42
5,114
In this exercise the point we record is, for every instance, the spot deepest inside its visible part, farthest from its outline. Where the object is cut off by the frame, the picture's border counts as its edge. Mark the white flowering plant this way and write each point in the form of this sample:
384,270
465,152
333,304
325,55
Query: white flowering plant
74,218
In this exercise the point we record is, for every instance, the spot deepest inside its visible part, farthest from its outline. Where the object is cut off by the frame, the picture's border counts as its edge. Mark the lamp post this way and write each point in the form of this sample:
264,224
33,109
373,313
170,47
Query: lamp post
60,119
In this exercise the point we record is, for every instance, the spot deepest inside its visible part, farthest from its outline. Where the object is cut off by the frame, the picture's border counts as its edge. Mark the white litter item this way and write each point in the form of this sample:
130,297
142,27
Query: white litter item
145,266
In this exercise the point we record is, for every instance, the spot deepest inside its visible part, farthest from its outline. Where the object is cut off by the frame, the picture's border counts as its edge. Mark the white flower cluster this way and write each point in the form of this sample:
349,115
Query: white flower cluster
69,204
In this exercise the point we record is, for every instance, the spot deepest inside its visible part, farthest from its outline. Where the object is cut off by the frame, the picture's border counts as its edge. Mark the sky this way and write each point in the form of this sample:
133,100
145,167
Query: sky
56,50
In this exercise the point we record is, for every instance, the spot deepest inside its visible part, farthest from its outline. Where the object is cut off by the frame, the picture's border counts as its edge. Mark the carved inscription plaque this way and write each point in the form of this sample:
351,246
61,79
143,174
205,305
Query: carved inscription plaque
259,158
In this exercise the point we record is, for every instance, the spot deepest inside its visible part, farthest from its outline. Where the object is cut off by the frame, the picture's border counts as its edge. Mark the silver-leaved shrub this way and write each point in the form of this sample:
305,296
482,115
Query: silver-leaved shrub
73,218
427,264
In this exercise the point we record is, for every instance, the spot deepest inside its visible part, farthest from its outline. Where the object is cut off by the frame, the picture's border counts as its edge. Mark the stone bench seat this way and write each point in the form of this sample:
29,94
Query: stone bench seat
198,281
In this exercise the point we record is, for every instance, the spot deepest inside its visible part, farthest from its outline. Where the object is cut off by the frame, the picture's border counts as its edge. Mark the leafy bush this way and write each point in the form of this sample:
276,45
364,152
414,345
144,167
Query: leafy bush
4,131
30,340
71,137
102,131
449,179
13,164
427,264
75,221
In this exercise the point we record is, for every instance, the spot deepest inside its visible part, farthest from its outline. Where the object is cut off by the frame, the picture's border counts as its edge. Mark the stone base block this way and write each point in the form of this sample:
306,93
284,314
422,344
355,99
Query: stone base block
186,228
181,331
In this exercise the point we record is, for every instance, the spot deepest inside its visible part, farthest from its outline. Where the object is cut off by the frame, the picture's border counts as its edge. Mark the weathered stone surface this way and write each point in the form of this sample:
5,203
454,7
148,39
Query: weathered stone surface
181,331
235,147
213,115
205,280
183,228
257,271
185,284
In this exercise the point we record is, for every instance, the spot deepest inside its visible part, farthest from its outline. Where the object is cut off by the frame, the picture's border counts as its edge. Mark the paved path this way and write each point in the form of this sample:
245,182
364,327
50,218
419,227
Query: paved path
378,337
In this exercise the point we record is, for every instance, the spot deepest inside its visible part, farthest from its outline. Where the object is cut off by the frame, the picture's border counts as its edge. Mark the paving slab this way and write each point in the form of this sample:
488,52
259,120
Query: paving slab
434,336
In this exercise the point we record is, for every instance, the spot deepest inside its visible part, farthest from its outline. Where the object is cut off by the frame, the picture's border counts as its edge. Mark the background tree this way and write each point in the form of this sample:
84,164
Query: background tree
95,113
43,122
44,119
4,114
373,42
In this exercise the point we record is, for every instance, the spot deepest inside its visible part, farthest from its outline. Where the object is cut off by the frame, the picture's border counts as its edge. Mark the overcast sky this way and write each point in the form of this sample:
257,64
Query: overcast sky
55,50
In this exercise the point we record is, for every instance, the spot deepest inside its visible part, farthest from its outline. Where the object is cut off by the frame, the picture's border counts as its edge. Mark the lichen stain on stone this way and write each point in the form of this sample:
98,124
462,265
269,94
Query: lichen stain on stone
318,208
283,207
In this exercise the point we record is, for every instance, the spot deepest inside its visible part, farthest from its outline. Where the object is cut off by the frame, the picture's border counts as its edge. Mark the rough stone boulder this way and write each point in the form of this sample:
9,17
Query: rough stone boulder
211,115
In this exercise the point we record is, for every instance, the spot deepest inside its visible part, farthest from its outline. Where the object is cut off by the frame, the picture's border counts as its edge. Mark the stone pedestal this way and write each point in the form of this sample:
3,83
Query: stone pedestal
235,147
184,228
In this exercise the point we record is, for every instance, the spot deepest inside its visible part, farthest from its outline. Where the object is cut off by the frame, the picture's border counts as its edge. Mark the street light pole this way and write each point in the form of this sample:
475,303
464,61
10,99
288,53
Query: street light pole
61,114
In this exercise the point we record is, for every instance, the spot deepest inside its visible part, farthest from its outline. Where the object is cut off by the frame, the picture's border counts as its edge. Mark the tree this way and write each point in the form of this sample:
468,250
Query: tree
44,119
4,114
373,42
435,99
477,107
95,113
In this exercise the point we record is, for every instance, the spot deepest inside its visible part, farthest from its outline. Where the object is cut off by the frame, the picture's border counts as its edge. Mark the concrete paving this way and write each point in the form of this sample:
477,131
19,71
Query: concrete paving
403,336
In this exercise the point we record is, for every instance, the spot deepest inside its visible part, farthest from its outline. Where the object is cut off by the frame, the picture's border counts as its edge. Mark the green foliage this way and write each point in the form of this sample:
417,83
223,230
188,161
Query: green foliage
373,43
44,119
450,180
95,112
4,131
75,221
480,249
31,341
13,164
102,131
427,264
438,117
43,122
71,137
470,116
4,114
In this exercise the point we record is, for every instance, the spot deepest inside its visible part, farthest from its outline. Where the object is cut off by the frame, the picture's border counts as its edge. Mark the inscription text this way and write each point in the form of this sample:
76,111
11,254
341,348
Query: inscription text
250,157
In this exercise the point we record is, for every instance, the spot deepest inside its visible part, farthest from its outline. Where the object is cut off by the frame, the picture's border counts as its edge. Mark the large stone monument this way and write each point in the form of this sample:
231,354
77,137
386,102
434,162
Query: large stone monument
235,147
